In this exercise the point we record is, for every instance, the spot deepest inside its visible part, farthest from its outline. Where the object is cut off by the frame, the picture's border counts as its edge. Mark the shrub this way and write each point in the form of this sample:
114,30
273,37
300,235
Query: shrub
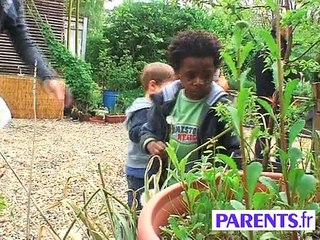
77,72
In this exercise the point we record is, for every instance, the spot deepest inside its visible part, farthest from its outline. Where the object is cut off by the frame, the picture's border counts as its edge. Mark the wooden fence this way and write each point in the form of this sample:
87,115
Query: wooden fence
51,10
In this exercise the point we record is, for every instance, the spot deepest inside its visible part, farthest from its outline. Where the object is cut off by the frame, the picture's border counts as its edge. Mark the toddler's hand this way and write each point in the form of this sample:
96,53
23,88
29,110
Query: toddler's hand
156,148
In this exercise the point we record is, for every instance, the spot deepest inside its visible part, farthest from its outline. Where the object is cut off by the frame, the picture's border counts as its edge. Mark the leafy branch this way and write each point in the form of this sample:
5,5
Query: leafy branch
306,51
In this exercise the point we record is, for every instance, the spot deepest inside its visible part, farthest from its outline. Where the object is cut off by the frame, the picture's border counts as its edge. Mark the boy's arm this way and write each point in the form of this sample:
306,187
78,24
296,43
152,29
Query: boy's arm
136,122
152,130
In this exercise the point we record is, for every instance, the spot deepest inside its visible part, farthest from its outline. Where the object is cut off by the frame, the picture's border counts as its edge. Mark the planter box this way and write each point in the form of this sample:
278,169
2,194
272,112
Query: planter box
115,118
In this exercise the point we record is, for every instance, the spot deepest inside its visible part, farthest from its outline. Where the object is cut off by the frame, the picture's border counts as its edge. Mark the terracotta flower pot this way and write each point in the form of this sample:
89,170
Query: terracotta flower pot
98,120
169,201
86,118
115,118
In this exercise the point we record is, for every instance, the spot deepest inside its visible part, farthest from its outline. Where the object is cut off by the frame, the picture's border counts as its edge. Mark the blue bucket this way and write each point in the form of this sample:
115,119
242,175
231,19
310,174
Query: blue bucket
110,98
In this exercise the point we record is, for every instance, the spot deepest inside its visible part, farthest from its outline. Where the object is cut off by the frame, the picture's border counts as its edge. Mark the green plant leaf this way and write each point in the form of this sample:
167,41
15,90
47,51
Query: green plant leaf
209,175
88,222
237,37
243,78
305,186
295,130
294,155
245,52
199,236
245,234
283,158
283,197
254,171
260,199
272,5
288,92
294,177
242,102
124,228
267,107
270,184
237,205
229,161
190,177
235,119
313,206
171,153
231,64
193,194
255,132
182,166
271,43
267,236
181,233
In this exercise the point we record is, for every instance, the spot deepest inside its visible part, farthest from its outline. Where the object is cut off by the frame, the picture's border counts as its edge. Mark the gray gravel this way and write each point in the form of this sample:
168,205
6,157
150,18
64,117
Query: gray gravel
64,149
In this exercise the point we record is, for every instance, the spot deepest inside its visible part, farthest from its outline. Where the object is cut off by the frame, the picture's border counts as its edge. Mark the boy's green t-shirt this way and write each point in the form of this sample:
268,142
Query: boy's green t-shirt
185,125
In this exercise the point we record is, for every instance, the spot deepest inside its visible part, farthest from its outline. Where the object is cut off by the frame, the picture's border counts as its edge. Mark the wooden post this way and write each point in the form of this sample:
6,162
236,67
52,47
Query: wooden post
316,113
316,119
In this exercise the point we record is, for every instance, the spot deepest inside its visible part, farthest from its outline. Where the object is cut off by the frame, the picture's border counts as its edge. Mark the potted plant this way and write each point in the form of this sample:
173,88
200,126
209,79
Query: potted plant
182,211
116,115
97,116
84,117
115,75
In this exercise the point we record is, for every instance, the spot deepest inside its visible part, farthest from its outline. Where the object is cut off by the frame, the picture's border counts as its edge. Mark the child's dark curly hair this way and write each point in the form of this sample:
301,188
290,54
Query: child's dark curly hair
194,43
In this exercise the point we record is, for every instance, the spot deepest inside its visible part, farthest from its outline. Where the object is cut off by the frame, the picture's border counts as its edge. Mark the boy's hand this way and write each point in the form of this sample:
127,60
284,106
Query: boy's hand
157,148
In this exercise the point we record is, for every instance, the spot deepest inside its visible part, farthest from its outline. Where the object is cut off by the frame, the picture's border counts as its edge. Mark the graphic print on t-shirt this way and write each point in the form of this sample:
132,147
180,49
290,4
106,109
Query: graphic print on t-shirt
185,133
185,125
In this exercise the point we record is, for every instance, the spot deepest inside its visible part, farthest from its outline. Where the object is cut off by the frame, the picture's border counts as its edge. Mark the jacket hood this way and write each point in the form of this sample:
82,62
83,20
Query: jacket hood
170,91
138,104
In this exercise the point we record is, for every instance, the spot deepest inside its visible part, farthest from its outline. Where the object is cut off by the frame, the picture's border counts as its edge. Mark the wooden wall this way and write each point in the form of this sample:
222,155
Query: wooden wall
54,12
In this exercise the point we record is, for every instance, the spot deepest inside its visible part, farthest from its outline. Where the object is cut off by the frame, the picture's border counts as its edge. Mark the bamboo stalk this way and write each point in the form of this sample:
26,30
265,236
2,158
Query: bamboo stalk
283,143
33,149
69,24
77,27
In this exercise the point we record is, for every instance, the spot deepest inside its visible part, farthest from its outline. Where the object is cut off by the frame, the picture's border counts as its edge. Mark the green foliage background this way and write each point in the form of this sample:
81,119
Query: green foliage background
139,33
123,40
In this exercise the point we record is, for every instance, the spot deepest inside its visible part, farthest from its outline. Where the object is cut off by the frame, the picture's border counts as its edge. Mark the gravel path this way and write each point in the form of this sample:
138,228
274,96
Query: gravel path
64,150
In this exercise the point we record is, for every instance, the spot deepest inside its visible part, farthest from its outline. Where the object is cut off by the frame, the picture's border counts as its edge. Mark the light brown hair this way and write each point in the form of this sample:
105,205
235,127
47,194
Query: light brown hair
157,71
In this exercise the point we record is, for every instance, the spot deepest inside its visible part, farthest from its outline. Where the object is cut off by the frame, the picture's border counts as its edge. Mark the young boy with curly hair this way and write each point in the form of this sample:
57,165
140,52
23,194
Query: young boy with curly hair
188,102
154,77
